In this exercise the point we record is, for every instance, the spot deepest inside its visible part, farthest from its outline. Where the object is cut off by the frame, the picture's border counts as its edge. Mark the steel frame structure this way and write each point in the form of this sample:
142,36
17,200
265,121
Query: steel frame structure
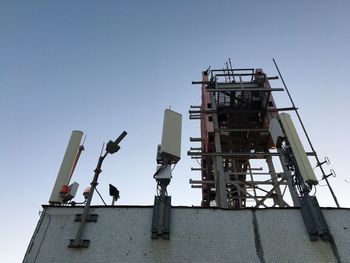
236,109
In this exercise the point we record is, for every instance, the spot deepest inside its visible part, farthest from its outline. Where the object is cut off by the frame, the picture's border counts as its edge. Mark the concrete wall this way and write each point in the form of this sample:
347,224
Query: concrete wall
123,234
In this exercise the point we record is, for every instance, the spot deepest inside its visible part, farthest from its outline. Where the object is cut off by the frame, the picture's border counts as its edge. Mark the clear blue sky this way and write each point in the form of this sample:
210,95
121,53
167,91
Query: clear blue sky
108,66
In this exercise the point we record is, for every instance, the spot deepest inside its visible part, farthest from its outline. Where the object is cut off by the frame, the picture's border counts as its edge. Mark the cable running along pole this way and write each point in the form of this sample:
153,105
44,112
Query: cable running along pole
307,136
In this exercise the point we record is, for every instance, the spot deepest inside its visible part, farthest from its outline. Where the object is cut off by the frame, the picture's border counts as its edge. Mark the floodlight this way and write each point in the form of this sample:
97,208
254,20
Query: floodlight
113,191
113,147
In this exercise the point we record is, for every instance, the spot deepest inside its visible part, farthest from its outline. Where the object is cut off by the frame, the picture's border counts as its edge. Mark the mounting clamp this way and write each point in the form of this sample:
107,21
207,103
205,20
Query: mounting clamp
161,217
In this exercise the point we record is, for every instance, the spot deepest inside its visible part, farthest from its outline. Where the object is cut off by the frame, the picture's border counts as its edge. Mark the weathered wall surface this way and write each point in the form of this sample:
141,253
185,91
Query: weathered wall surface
123,234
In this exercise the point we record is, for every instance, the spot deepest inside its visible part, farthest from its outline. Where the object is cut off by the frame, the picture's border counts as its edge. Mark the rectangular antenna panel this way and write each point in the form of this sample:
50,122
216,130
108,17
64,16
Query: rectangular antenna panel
276,132
65,171
301,158
171,137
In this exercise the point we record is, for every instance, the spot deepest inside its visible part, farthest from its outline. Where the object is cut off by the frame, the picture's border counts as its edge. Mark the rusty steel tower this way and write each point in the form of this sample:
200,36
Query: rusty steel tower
250,154
237,106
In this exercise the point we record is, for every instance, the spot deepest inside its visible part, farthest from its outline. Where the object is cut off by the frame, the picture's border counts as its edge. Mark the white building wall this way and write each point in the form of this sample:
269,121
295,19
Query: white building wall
123,234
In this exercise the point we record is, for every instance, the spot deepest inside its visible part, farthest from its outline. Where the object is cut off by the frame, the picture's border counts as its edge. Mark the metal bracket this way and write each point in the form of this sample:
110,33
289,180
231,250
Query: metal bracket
90,218
161,217
84,243
313,219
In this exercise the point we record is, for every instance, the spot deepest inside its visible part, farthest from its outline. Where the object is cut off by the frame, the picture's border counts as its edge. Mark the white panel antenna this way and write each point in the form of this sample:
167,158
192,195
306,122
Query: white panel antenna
65,173
170,149
301,158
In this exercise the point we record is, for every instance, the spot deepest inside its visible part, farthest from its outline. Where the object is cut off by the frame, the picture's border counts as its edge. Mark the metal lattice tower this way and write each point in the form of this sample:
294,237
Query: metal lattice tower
235,114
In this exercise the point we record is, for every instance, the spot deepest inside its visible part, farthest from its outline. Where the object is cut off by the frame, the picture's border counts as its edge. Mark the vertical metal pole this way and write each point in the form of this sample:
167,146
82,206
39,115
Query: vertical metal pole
220,185
288,176
77,242
274,180
253,185
307,136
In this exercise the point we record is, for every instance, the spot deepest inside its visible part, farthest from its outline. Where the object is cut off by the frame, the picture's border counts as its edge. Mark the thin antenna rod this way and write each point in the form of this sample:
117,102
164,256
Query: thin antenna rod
103,146
228,71
100,196
233,76
81,148
307,136
77,157
84,140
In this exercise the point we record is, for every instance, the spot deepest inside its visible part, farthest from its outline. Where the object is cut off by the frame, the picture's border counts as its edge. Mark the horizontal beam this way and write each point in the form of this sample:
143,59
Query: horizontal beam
195,148
197,169
247,173
236,154
244,74
234,69
250,89
229,84
235,110
236,182
236,74
256,169
201,82
239,154
233,75
242,130
200,182
237,85
192,139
